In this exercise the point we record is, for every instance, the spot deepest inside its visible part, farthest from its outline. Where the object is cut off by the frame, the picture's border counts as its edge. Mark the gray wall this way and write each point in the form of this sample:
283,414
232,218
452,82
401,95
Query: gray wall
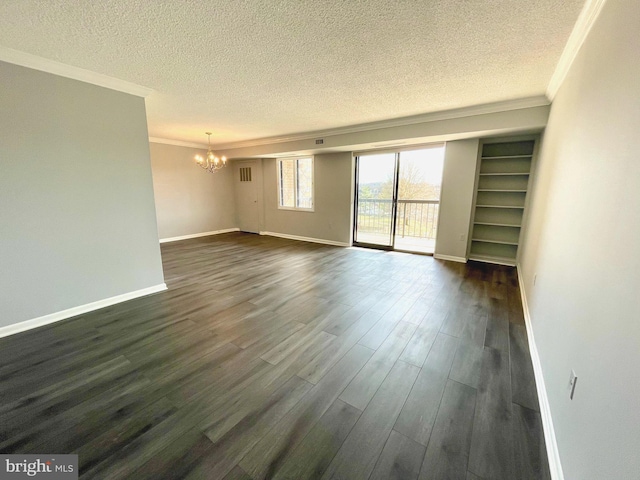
456,199
188,199
77,214
333,198
583,242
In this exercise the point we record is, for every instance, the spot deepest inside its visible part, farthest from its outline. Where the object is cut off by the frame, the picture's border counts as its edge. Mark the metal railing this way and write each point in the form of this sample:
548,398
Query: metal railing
414,218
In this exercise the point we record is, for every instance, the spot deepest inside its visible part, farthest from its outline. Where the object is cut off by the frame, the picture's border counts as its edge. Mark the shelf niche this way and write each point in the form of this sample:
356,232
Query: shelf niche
501,189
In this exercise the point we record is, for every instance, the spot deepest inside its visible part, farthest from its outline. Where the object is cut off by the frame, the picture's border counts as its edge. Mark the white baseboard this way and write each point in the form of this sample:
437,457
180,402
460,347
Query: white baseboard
72,312
196,235
306,239
450,258
555,466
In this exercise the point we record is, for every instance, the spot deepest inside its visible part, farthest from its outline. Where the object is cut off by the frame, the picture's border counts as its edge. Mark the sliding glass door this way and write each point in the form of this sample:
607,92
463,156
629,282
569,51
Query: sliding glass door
375,199
418,201
398,199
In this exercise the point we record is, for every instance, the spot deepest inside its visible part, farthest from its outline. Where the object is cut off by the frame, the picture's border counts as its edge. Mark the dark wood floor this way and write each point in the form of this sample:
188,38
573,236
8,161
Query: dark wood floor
271,358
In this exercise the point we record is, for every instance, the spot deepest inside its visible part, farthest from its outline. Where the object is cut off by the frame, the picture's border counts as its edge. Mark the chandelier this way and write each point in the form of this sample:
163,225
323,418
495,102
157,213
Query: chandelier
211,162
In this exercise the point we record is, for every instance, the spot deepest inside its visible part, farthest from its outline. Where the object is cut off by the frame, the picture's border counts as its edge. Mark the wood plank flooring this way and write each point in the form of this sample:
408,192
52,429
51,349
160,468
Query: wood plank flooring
271,358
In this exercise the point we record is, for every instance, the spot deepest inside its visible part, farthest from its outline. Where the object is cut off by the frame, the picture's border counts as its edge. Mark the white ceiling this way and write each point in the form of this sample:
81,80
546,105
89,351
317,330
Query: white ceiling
260,68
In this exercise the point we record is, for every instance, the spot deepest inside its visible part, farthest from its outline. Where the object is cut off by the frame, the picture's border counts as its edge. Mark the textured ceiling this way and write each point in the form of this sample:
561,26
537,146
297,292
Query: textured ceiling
258,68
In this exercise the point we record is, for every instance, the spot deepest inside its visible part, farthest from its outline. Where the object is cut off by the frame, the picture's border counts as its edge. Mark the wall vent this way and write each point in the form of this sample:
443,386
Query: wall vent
245,174
320,141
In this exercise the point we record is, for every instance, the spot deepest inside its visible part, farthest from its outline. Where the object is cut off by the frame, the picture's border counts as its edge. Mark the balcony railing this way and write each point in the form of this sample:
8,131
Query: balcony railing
415,218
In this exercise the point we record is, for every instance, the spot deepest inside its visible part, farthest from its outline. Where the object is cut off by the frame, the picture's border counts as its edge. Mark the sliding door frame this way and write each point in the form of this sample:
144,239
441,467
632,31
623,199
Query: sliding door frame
394,204
394,200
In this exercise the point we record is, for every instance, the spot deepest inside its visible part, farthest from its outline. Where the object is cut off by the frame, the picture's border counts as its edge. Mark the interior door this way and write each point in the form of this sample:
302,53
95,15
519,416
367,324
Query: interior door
376,177
246,188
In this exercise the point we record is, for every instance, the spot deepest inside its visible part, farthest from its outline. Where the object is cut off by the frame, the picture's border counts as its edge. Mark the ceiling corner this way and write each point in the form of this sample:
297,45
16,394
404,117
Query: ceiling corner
35,62
581,29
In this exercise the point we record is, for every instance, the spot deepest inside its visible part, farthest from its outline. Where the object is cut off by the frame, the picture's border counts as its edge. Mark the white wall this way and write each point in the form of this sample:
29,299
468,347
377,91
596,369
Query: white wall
456,199
77,216
188,199
472,122
583,242
333,200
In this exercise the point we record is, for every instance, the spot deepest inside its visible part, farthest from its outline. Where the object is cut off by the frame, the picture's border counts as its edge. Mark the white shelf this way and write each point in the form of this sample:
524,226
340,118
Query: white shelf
499,206
511,225
503,157
511,262
498,190
504,174
502,183
499,242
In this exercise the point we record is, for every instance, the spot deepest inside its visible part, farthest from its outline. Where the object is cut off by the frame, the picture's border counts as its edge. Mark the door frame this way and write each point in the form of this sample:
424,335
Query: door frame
394,200
256,178
394,205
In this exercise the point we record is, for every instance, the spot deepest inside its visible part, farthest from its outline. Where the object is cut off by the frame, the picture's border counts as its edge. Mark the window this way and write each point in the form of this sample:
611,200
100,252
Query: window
295,183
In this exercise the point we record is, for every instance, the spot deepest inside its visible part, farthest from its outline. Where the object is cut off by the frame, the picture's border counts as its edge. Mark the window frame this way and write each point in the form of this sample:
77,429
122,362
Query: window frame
295,183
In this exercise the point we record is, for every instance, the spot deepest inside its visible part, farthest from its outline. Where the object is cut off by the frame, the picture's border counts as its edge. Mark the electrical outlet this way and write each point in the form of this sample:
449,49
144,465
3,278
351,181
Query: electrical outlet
573,379
462,237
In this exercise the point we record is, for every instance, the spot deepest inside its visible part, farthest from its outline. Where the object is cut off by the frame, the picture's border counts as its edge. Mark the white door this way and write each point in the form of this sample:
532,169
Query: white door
247,176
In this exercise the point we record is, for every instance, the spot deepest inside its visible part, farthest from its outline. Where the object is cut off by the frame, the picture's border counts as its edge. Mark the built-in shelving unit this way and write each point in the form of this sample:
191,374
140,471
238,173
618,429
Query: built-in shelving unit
500,200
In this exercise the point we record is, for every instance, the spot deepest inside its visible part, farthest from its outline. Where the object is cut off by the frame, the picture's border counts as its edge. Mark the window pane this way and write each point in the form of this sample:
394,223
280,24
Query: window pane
305,183
287,179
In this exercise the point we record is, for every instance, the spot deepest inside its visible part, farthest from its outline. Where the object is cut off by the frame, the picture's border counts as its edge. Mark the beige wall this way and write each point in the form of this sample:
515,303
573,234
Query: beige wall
333,199
456,199
188,199
77,216
583,243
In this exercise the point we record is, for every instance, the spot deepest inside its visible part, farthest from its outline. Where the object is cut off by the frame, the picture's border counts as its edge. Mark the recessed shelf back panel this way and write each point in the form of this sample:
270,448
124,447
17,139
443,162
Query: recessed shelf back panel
505,165
494,250
496,234
509,182
501,198
500,216
504,149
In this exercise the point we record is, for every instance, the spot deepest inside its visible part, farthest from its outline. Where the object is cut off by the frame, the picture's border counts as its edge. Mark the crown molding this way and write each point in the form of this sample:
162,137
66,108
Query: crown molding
470,111
581,29
177,143
35,62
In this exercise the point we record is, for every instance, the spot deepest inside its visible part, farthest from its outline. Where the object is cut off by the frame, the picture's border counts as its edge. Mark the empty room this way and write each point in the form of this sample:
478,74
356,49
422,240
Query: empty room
319,239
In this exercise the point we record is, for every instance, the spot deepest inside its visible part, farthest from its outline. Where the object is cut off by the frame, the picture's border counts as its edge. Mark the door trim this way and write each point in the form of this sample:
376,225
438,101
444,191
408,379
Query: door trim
257,180
394,200
394,207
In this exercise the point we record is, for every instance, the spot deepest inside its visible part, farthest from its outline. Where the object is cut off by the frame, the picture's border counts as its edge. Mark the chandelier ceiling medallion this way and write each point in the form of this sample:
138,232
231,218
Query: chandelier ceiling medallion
211,162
